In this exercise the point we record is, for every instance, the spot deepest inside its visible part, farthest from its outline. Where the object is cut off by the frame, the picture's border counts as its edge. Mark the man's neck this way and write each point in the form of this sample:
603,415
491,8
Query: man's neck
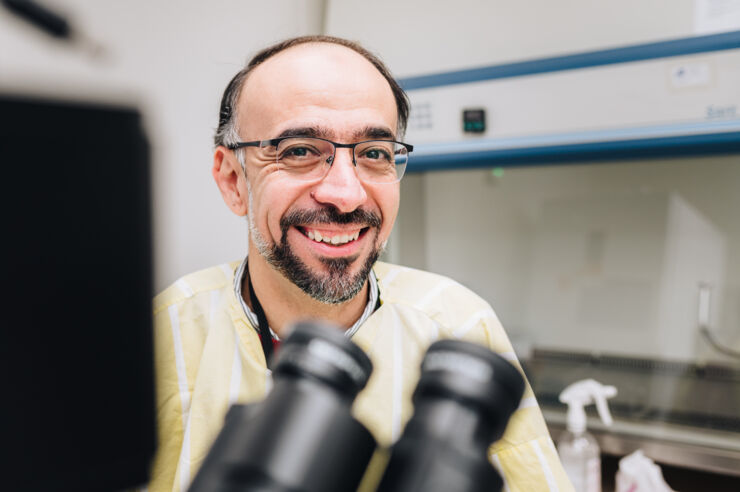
284,303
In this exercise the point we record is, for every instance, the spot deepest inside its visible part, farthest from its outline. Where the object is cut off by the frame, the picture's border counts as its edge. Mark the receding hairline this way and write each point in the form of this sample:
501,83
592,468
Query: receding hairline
305,45
313,45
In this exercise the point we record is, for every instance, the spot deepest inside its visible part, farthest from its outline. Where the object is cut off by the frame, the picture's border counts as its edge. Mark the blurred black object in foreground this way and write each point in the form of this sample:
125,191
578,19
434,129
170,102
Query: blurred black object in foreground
462,404
76,341
40,16
302,437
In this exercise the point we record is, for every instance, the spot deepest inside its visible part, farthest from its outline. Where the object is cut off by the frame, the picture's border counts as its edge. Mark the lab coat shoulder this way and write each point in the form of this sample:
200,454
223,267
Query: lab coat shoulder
459,312
196,283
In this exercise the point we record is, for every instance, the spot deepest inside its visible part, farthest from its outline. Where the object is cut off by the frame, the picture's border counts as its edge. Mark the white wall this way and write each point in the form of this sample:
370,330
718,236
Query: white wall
424,36
172,59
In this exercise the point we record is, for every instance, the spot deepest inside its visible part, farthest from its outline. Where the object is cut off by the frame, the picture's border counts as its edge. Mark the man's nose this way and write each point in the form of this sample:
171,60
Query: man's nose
341,187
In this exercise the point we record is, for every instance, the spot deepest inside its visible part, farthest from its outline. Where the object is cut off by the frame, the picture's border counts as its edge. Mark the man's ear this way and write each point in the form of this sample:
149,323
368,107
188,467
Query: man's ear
226,171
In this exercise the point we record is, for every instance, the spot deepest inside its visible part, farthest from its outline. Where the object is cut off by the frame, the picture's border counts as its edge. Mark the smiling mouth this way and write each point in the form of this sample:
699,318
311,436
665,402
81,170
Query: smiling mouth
332,238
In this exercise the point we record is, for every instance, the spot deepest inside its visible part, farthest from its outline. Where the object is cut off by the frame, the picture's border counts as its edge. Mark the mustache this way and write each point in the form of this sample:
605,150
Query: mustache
329,215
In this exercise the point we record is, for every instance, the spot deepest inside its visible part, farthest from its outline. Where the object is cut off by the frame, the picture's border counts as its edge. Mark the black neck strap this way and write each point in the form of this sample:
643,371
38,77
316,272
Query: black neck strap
264,329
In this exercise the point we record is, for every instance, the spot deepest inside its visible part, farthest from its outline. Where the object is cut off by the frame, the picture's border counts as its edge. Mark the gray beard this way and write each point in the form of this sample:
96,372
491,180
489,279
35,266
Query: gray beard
336,285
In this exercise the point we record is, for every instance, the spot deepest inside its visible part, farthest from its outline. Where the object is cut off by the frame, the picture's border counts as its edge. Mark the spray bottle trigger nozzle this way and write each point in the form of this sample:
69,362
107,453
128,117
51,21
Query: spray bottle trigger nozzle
583,393
601,406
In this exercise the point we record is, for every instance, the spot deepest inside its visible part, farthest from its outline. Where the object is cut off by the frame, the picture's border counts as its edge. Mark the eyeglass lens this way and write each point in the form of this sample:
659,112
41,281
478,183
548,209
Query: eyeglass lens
377,161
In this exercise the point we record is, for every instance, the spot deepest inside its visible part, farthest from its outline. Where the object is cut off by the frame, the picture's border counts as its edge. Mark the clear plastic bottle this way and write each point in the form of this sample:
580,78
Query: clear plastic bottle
580,455
579,452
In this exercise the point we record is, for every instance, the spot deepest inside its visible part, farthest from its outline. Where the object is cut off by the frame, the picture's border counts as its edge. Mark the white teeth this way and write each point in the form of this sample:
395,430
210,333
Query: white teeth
338,239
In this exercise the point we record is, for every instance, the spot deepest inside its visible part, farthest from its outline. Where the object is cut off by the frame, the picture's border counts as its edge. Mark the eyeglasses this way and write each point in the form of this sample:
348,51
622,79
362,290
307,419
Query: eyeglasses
309,158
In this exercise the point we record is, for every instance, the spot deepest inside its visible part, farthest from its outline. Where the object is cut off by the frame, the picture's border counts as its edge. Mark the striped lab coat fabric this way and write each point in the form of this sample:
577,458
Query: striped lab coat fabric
208,356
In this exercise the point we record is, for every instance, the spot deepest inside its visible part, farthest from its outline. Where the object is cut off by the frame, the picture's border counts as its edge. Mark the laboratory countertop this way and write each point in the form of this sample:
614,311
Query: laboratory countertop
669,444
680,414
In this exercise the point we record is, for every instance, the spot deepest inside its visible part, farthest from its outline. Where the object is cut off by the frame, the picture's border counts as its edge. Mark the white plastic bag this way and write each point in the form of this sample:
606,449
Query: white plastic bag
638,473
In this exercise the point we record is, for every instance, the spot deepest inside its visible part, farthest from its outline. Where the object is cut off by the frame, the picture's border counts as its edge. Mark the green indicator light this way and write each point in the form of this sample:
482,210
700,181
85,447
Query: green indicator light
497,172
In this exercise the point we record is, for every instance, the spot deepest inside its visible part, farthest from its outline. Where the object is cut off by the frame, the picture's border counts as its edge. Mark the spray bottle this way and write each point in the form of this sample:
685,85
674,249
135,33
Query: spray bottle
579,451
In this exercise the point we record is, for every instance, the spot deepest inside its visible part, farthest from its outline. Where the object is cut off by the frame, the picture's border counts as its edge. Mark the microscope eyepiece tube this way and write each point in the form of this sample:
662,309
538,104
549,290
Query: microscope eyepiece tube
302,437
462,403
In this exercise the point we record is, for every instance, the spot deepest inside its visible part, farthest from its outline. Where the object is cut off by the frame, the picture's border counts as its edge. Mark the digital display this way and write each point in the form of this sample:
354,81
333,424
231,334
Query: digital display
474,120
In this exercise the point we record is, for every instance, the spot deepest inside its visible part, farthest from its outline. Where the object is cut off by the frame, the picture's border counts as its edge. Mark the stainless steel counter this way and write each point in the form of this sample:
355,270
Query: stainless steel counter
680,414
668,444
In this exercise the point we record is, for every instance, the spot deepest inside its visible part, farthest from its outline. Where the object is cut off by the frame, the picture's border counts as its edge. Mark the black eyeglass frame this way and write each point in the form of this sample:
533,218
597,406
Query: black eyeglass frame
274,142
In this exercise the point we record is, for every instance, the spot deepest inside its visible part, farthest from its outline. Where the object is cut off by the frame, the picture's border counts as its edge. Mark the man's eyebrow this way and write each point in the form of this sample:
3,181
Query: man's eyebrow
306,131
368,132
374,132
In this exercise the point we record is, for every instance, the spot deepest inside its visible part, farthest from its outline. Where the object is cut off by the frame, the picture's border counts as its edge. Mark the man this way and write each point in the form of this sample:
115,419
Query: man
307,150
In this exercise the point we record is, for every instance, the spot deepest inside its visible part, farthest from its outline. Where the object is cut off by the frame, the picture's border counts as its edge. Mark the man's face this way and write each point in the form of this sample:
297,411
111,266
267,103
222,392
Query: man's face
323,235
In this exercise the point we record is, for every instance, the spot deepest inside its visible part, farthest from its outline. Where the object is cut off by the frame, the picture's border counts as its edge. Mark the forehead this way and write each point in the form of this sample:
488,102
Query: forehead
315,85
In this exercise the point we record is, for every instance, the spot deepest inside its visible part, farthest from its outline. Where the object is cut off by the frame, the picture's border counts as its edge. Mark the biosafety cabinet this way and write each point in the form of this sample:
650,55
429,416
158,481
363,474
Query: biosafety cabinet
594,201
